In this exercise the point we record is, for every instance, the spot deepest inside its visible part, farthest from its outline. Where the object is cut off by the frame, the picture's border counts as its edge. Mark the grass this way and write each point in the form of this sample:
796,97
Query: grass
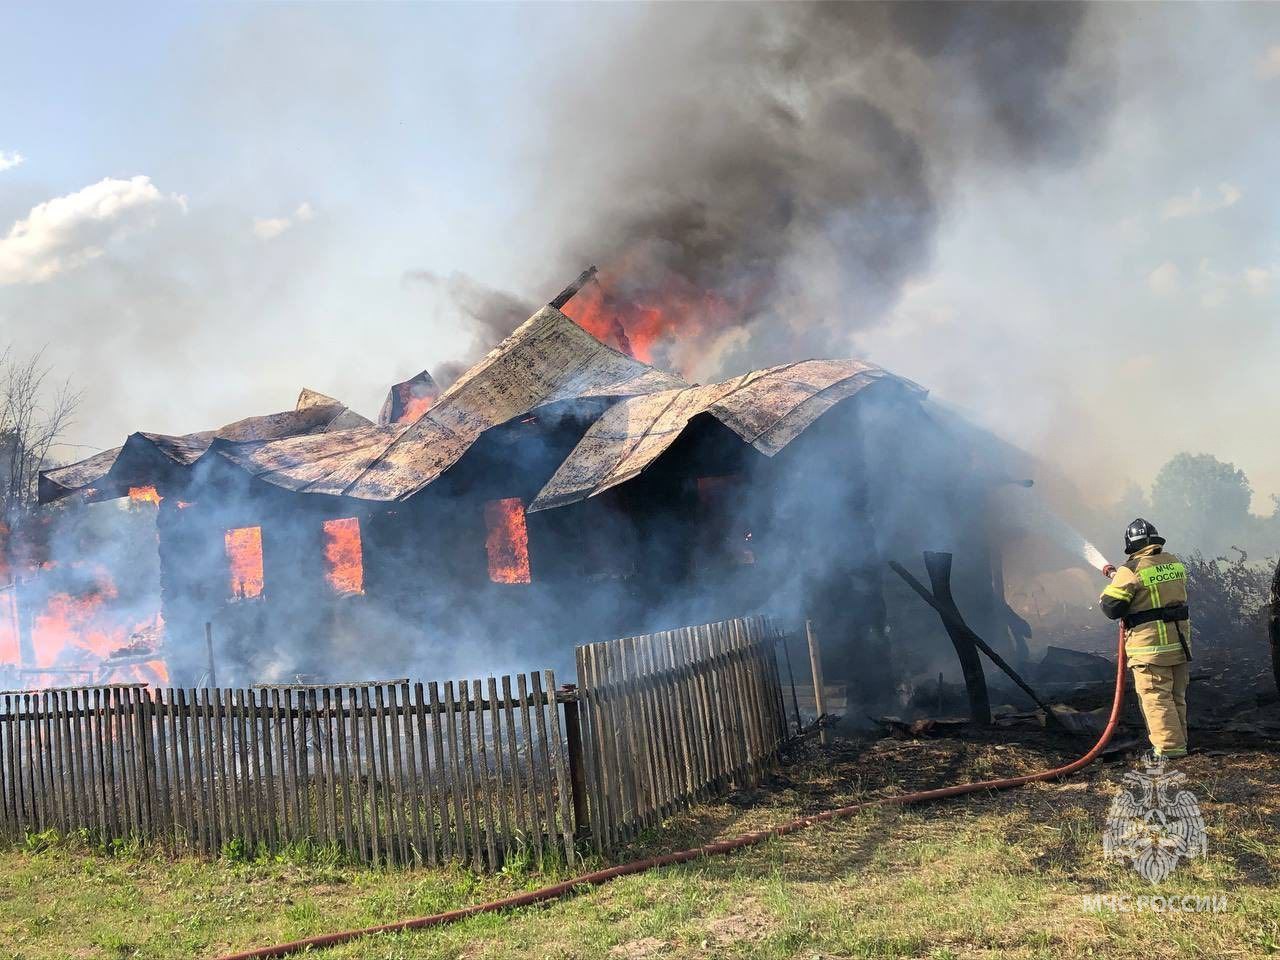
988,876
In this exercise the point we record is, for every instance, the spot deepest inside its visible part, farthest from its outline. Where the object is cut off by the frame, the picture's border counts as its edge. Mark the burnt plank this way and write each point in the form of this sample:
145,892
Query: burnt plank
526,716
424,767
484,793
371,777
387,779
477,845
443,791
502,793
522,828
457,783
559,760
544,755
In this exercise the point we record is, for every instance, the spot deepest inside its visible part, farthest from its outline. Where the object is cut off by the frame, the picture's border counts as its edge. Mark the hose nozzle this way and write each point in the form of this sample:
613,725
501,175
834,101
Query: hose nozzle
1109,570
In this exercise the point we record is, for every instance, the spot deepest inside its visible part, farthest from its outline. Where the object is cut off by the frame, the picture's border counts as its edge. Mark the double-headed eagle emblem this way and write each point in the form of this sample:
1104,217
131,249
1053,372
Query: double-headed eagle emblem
1152,825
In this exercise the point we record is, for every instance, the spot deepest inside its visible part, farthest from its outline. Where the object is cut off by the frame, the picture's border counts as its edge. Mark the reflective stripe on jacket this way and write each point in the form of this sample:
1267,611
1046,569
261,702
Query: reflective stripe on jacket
1148,580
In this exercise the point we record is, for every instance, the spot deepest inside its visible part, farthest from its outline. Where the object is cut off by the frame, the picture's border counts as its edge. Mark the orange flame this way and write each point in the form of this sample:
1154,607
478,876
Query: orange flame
82,634
344,560
659,316
507,541
413,400
415,407
244,556
8,628
144,495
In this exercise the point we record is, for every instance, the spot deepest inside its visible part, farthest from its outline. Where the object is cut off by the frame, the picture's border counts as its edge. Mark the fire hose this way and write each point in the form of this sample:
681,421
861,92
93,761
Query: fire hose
558,890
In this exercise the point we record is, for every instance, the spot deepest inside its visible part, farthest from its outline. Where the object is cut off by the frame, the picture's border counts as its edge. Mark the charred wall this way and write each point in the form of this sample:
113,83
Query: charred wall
712,529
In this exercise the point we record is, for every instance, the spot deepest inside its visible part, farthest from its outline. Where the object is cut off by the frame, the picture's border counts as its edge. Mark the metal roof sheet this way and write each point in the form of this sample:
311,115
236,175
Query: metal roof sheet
323,447
548,358
112,472
766,408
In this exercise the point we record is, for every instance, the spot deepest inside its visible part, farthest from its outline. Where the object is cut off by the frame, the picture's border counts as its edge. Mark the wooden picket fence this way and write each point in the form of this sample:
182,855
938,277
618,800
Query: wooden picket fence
388,772
675,718
404,774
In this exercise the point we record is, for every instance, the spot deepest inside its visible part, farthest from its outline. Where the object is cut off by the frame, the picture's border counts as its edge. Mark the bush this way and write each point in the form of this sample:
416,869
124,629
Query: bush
1228,603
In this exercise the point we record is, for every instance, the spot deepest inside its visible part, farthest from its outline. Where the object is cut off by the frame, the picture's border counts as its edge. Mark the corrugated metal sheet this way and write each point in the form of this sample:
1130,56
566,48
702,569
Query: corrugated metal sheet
112,472
766,408
322,447
547,359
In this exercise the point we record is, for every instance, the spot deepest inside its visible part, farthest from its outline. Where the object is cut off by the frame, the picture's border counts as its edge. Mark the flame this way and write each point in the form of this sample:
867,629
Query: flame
8,628
83,634
344,560
507,541
144,495
244,556
415,407
655,314
413,399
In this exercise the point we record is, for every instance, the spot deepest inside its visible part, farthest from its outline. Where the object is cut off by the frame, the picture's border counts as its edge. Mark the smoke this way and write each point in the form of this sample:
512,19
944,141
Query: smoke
492,314
757,182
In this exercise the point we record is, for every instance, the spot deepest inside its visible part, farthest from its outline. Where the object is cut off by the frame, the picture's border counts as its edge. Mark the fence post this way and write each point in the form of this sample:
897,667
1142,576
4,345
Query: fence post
577,763
208,643
819,688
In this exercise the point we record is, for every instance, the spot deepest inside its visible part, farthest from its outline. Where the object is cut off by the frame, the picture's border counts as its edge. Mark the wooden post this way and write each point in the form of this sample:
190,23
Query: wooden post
208,643
819,688
577,767
568,293
939,567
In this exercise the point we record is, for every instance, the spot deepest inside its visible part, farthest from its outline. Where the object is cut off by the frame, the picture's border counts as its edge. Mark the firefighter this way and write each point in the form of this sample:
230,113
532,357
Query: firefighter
1149,594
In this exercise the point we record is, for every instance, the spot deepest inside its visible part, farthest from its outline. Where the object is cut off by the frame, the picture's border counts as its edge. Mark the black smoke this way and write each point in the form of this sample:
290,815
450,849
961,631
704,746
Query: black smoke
795,160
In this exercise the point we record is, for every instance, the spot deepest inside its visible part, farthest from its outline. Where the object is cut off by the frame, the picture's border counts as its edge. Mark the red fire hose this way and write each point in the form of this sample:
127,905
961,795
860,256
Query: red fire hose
558,890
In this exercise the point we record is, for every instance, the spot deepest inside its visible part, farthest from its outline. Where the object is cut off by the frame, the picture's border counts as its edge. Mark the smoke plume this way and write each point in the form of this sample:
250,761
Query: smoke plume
756,182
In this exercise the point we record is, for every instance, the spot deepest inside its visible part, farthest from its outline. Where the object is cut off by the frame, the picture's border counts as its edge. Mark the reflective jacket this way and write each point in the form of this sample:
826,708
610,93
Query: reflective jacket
1151,580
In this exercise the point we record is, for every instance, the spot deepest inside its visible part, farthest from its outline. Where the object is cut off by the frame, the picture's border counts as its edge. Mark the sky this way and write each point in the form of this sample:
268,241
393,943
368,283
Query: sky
205,208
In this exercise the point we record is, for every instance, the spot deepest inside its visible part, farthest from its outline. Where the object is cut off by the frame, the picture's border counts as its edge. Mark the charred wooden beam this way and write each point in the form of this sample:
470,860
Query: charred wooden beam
569,292
964,639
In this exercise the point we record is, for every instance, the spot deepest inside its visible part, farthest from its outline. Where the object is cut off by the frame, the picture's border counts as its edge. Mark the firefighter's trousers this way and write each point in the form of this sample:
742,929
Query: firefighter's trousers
1162,694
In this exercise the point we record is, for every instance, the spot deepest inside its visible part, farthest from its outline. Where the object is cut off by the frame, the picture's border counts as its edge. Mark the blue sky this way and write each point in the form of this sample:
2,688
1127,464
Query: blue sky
300,159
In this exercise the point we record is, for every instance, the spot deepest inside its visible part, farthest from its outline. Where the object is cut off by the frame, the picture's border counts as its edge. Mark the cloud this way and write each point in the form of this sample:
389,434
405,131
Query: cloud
1218,286
268,228
1211,286
1195,204
1269,64
1259,279
10,160
67,232
1165,280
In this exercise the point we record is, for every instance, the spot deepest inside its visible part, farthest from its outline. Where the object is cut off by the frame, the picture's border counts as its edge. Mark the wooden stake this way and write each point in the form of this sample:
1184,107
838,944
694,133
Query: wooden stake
819,688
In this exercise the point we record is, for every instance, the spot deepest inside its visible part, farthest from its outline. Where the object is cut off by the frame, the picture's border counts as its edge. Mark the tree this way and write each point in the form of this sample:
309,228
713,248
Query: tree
33,416
1202,503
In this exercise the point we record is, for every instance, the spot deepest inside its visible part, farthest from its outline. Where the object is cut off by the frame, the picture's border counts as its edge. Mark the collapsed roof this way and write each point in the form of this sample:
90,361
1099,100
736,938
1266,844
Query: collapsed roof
111,473
766,408
322,447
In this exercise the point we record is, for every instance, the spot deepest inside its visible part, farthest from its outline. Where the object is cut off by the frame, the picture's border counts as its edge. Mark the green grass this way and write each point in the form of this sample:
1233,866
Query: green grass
989,876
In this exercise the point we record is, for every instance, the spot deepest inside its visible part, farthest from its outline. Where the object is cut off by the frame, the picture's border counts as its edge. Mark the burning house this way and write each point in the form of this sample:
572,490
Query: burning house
560,491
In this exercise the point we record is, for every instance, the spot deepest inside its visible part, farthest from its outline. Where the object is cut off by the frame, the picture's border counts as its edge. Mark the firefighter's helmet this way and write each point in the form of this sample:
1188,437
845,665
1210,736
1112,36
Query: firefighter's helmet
1140,533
